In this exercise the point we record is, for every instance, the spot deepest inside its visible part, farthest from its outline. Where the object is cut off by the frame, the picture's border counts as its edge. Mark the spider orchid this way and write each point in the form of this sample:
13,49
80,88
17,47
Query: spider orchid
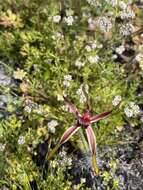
82,121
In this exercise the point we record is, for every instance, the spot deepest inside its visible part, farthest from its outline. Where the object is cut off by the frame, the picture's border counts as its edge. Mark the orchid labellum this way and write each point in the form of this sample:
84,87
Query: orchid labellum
82,121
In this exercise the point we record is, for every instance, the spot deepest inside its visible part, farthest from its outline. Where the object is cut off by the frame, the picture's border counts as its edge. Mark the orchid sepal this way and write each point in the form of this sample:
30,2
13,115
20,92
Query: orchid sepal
100,116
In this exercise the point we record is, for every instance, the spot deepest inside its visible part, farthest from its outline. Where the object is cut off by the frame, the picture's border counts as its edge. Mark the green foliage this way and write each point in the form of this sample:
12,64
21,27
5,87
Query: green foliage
38,53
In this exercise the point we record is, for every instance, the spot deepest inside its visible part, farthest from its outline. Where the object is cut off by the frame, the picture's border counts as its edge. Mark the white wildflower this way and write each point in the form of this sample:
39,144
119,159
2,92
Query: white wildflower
132,110
139,57
67,80
128,112
83,180
56,18
135,108
120,49
88,48
68,77
116,100
122,5
19,74
51,126
21,140
112,2
69,20
127,14
2,147
81,94
93,59
114,57
79,64
94,45
104,24
126,29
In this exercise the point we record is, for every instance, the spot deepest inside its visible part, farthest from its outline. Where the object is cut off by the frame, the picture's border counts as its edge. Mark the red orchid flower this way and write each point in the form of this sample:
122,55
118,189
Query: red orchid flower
82,121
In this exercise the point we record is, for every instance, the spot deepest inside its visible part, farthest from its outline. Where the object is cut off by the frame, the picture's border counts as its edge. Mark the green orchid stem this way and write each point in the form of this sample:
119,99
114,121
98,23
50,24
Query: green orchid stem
52,153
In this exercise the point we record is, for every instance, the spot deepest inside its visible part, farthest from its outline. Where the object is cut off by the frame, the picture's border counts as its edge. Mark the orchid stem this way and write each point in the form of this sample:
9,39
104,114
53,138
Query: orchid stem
51,154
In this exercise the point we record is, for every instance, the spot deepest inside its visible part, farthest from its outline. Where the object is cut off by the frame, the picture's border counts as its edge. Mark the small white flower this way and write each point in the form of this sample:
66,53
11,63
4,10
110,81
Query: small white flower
80,93
116,100
122,5
56,18
19,74
128,112
126,29
127,14
21,140
79,64
112,2
93,59
69,20
2,147
104,24
88,48
120,49
68,77
51,126
132,109
94,45
139,57
83,180
67,80
114,56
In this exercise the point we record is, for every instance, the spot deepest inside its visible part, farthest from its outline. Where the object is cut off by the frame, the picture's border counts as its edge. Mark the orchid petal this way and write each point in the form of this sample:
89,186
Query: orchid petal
91,139
72,108
92,144
68,133
99,116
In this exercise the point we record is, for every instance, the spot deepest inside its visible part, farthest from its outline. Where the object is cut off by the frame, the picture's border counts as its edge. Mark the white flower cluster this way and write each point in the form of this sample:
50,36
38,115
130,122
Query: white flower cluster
2,147
104,24
132,110
67,80
122,5
92,46
93,59
127,14
56,18
116,100
79,64
64,159
112,2
51,126
120,49
81,94
69,20
126,29
21,140
30,105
